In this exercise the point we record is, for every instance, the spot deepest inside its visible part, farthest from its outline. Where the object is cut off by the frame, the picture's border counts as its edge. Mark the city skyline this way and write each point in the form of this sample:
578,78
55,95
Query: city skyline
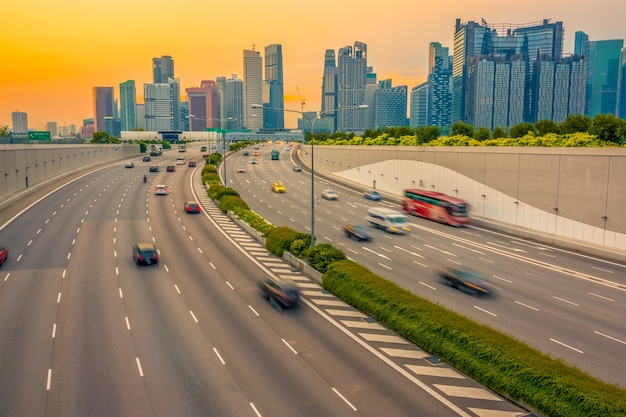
54,67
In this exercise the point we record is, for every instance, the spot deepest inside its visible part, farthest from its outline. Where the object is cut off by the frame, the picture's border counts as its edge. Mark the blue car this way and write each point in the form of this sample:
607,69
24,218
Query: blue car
372,195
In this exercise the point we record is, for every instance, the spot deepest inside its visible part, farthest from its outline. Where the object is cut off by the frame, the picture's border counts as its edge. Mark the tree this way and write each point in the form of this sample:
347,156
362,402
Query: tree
546,126
498,133
463,129
521,129
103,137
5,131
482,134
575,123
606,127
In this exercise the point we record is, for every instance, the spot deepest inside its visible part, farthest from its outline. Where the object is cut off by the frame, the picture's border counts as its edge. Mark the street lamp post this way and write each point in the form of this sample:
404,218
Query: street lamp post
191,116
318,115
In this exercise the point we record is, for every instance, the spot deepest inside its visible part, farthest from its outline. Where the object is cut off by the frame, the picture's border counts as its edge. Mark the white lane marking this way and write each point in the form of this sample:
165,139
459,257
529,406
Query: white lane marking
408,251
255,410
601,269
526,305
219,356
193,316
127,322
426,285
344,398
502,279
231,287
49,381
253,310
565,301
58,298
139,366
6,277
610,337
567,346
54,330
485,311
600,296
289,346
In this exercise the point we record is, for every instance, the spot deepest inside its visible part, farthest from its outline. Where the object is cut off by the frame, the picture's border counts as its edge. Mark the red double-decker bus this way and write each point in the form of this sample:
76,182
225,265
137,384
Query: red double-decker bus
436,206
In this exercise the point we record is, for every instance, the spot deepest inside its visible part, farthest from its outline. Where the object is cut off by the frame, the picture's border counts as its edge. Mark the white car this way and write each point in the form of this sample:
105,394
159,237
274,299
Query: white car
329,195
180,161
160,189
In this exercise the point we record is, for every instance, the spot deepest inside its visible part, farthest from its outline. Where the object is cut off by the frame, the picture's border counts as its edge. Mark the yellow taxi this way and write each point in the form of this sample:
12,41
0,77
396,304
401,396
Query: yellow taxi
278,187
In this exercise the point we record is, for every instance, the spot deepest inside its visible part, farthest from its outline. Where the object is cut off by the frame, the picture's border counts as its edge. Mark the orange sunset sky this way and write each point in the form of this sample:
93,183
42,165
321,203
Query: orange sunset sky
54,53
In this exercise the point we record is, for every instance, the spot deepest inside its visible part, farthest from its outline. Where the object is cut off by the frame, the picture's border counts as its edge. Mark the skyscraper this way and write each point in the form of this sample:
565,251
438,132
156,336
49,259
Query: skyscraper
103,106
419,105
351,79
369,98
329,88
233,103
581,43
602,76
203,105
253,88
20,123
162,69
621,86
128,105
439,94
161,111
274,119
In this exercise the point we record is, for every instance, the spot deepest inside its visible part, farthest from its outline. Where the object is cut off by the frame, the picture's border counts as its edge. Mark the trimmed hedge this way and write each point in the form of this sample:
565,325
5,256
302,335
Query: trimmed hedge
499,361
229,202
279,239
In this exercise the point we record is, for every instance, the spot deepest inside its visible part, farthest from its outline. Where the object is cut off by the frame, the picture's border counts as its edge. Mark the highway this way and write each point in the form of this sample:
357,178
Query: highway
568,305
86,332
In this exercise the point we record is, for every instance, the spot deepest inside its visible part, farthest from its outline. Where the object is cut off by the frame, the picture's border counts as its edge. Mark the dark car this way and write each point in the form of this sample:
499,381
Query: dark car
297,168
280,293
191,164
170,168
4,253
154,168
358,233
192,207
145,254
464,279
246,153
147,159
129,165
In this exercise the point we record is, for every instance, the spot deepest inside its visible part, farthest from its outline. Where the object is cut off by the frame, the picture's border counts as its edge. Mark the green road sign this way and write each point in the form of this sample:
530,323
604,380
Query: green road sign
39,135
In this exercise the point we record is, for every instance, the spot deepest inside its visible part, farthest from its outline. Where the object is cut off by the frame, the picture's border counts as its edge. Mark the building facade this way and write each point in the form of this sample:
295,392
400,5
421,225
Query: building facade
162,69
233,104
391,106
351,79
275,95
253,88
419,105
161,110
329,88
203,105
19,124
128,105
602,76
103,106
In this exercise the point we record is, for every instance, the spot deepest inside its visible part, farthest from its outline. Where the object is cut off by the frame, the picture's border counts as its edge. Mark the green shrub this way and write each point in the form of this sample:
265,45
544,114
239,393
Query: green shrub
279,239
320,256
253,220
213,191
209,168
227,191
228,202
300,245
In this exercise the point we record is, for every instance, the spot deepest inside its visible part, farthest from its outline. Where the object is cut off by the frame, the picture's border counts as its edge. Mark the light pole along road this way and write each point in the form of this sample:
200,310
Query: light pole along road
318,115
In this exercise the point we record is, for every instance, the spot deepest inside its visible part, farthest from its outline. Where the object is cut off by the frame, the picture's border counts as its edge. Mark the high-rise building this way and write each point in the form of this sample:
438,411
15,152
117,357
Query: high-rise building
351,79
20,123
233,103
161,106
602,76
439,94
203,106
253,88
162,69
103,106
419,105
52,128
369,98
128,105
391,105
274,119
581,43
329,88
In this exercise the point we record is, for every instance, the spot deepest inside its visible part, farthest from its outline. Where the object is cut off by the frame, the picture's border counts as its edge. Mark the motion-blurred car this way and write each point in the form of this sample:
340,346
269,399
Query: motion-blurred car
255,153
180,161
192,207
278,187
241,169
160,190
129,165
297,168
146,159
329,195
145,254
246,153
280,293
253,161
463,279
355,232
4,253
170,168
191,164
372,195
205,155
154,168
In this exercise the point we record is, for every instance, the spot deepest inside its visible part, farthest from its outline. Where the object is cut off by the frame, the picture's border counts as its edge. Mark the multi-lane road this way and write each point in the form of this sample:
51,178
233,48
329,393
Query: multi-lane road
86,332
568,305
